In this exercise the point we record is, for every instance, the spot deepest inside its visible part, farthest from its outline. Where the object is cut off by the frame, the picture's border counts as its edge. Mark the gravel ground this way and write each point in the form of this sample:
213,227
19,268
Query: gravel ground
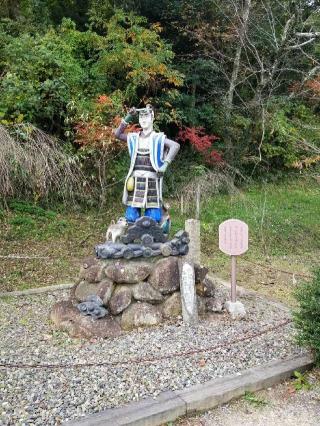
280,405
49,396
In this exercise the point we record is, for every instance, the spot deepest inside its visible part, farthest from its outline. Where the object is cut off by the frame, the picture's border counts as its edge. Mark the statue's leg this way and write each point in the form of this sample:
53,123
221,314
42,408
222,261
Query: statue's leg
132,213
155,213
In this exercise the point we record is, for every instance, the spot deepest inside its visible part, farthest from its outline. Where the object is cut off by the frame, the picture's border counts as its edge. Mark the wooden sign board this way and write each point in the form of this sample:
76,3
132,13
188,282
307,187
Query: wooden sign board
233,237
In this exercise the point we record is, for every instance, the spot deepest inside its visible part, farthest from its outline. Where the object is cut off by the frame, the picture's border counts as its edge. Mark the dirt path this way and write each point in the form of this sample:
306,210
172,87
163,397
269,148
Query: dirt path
280,405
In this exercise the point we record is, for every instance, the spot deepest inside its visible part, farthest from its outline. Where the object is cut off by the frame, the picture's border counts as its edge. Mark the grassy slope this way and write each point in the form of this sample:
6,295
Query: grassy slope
284,234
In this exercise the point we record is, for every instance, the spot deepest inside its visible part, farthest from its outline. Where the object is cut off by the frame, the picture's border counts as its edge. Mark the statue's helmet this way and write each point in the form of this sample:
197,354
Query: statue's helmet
146,111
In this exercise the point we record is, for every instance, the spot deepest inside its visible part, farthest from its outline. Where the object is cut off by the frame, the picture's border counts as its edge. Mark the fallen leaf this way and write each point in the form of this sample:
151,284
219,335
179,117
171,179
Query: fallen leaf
202,362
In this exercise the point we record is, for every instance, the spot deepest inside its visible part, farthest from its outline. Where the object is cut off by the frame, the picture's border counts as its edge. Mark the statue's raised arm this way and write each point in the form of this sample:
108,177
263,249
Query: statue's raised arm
119,133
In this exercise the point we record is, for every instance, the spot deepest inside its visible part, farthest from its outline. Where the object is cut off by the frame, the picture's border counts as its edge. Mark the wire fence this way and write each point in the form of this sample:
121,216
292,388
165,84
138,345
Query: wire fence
144,360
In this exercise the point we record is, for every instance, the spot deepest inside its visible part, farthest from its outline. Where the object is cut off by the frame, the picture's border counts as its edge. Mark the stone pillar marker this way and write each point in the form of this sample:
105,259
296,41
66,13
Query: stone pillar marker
188,293
192,226
187,274
233,240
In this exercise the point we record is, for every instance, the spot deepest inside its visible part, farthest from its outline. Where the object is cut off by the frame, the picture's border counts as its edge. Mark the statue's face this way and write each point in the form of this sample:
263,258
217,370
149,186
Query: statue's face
146,120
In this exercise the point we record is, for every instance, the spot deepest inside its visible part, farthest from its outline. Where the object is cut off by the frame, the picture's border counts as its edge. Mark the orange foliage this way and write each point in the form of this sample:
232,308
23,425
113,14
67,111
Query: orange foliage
104,100
96,135
310,89
314,86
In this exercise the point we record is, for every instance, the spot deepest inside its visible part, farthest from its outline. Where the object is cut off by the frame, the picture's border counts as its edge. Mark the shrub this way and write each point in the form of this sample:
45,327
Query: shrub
307,316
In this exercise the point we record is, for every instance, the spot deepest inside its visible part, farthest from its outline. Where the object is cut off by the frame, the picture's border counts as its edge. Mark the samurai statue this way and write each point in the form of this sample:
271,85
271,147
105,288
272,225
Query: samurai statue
150,153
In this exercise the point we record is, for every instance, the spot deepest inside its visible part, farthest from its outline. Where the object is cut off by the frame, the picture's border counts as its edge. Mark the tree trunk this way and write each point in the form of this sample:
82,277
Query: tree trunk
230,94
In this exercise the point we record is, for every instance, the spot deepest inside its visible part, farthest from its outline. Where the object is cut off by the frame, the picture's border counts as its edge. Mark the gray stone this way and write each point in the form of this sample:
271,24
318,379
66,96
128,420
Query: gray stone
172,307
93,273
128,272
120,299
93,307
140,315
215,304
144,292
103,289
235,309
206,288
188,293
165,275
66,317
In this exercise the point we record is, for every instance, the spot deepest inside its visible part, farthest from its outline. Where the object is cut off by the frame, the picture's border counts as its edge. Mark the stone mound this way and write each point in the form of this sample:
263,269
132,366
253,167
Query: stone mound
136,293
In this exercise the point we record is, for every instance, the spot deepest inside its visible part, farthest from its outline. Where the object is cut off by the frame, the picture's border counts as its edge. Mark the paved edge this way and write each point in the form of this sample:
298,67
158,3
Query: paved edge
37,290
170,405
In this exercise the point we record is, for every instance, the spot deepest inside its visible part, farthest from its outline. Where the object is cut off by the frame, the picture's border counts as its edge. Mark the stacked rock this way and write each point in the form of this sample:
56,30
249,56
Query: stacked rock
144,239
136,293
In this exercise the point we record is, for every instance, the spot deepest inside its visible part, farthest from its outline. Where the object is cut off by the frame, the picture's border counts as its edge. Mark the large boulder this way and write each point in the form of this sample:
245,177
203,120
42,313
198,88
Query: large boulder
200,272
103,289
165,275
66,317
215,304
128,272
93,273
140,315
89,261
172,307
120,299
206,288
144,292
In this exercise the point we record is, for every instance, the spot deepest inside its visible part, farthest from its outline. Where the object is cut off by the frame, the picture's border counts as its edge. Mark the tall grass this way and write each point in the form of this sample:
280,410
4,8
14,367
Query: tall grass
34,166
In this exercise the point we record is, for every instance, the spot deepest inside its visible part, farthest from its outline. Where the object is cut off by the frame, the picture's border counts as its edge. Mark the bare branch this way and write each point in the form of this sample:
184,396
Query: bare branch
297,46
310,35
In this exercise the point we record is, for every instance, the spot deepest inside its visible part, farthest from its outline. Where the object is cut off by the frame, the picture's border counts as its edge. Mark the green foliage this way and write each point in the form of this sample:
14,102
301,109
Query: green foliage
31,209
29,220
45,76
292,134
254,400
42,73
301,381
307,316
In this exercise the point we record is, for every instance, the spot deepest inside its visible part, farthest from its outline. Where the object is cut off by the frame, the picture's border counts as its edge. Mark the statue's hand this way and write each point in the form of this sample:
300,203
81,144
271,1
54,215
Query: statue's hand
164,167
133,111
129,117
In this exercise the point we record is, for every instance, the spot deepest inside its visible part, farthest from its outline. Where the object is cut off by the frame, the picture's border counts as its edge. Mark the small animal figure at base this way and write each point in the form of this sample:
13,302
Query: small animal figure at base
165,220
115,230
93,307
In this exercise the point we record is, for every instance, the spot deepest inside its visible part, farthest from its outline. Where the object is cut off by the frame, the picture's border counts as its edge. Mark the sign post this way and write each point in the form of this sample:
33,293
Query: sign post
233,241
233,279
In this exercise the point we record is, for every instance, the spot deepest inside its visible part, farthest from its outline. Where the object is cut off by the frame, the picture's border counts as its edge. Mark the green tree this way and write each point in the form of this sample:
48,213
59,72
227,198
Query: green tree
44,73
